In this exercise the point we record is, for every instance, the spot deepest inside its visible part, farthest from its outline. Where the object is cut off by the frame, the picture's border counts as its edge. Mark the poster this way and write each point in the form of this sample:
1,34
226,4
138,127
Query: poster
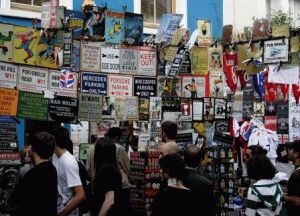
54,85
171,52
109,108
215,59
119,86
79,134
45,16
144,86
216,85
208,109
94,23
25,45
285,75
32,79
276,51
8,75
155,108
205,33
90,56
90,107
75,60
110,58
220,108
193,86
120,109
199,58
294,119
261,29
144,106
6,42
93,83
185,67
131,108
67,48
168,24
75,22
186,109
8,101
129,59
114,26
147,61
33,106
133,28
172,116
168,86
8,133
197,109
63,109
282,125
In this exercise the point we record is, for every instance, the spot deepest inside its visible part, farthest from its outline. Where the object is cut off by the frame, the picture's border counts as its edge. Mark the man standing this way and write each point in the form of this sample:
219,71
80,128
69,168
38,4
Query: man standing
168,135
36,193
292,199
200,185
70,190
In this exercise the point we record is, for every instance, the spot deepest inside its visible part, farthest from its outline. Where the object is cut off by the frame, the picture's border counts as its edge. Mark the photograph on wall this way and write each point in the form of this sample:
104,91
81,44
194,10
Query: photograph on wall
197,109
94,23
186,109
216,85
276,51
133,28
93,83
220,108
147,61
6,42
58,88
208,109
129,59
25,45
131,108
63,109
199,57
167,26
114,26
155,108
109,107
168,86
120,109
75,61
193,86
90,56
8,75
144,86
110,58
9,101
90,107
205,33
32,79
119,86
215,59
144,105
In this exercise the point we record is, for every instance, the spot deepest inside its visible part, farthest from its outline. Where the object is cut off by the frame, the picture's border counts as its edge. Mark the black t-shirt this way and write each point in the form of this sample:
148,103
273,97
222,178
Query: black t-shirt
108,179
174,202
293,188
37,191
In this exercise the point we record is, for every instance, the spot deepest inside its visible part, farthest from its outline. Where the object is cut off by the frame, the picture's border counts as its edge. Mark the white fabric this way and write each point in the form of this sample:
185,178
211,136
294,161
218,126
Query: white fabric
285,75
68,177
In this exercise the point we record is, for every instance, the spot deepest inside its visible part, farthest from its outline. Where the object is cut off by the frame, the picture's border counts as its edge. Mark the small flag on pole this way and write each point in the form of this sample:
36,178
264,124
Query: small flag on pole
66,79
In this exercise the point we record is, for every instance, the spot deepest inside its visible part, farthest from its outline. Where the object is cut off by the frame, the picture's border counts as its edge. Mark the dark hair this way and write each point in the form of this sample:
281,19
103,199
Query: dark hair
193,156
173,164
170,129
43,144
61,135
94,138
114,133
282,155
257,150
295,146
260,167
105,152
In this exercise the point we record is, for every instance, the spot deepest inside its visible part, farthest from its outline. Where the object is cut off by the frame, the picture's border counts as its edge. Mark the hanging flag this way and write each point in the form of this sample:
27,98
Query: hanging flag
296,91
66,79
258,83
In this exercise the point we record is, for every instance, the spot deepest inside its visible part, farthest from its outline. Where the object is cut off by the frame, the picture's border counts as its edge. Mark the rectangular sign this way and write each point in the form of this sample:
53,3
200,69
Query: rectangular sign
199,61
54,85
62,109
93,83
90,107
110,58
144,86
168,86
6,42
193,87
75,61
119,86
8,134
67,52
147,61
294,119
8,102
131,108
168,24
276,51
109,108
46,15
33,106
129,60
205,33
33,79
8,75
114,26
220,108
197,109
90,56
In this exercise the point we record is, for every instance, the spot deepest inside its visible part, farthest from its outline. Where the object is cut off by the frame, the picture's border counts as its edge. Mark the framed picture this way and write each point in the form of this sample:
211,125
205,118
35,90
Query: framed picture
220,108
276,51
197,108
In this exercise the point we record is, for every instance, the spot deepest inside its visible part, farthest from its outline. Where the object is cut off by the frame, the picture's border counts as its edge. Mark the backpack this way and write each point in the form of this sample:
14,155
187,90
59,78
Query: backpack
85,205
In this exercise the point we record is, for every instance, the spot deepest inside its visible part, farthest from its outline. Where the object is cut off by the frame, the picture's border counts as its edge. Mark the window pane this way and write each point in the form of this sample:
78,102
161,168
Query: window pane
22,1
39,2
147,9
30,2
162,7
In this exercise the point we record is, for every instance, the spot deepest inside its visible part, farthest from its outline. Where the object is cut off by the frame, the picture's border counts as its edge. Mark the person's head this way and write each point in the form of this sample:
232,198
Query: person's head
260,167
168,148
294,151
193,156
114,134
168,131
105,152
254,150
282,154
172,166
42,145
61,135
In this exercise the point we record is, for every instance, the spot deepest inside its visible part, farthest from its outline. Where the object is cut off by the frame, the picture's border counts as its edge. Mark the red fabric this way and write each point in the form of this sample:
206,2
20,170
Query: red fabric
270,90
285,90
296,92
243,77
230,61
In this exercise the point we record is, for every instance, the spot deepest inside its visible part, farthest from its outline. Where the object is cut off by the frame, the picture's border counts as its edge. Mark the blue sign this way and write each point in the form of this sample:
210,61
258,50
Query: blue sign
93,83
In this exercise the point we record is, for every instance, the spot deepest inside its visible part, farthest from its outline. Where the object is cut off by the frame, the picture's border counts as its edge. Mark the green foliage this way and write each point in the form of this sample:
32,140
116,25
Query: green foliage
278,18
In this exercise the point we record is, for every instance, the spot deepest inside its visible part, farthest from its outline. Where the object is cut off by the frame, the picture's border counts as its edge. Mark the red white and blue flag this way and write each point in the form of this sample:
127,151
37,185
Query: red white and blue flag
66,79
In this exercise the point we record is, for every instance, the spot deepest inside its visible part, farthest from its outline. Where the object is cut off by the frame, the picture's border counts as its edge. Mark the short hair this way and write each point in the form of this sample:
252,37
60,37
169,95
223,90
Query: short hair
173,164
170,129
61,135
168,148
193,155
260,167
105,152
114,133
295,146
257,150
282,155
43,144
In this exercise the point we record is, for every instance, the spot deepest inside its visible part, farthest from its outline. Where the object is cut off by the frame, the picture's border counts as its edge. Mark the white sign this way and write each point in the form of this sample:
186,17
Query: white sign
129,60
45,17
294,119
90,56
32,79
147,61
110,58
285,74
276,51
119,86
54,85
8,75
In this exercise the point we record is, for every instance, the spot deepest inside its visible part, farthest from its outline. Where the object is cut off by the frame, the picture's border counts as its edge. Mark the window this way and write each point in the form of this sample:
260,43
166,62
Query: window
28,5
30,2
154,9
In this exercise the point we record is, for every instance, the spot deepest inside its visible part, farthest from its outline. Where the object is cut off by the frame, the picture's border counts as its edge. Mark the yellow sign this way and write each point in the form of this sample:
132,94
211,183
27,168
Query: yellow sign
199,61
8,101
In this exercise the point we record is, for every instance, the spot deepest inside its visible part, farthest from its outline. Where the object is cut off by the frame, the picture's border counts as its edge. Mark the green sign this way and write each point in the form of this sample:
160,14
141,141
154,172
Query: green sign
32,106
83,149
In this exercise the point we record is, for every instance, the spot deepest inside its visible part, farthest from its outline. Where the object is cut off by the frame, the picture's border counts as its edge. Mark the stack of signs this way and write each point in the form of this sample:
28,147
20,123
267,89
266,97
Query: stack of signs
6,42
93,83
168,24
110,58
114,26
8,75
282,121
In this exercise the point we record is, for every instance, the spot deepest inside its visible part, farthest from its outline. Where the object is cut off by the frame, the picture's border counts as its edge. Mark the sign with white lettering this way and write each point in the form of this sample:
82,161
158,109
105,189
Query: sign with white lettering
93,83
119,86
110,58
33,79
62,109
129,60
147,61
54,85
8,75
90,56
90,107
145,86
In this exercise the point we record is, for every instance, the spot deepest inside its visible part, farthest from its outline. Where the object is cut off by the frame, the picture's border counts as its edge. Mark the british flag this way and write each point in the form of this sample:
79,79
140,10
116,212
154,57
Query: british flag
66,79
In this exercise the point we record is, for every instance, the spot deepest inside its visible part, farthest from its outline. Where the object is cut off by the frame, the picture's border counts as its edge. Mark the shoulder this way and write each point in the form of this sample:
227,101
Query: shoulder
193,176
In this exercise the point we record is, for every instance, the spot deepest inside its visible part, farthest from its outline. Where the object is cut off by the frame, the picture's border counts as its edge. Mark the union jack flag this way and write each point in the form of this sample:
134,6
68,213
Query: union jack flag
66,79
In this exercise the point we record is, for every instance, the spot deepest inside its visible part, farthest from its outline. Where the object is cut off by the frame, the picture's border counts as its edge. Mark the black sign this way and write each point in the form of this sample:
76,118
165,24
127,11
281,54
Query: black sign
8,134
177,62
144,87
67,48
185,67
282,108
63,109
222,126
282,125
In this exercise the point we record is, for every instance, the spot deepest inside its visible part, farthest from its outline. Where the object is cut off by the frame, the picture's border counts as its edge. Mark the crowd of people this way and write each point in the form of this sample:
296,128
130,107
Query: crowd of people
52,184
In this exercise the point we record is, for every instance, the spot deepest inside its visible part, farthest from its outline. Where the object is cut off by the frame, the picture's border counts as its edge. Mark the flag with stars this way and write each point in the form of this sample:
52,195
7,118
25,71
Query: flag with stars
66,79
